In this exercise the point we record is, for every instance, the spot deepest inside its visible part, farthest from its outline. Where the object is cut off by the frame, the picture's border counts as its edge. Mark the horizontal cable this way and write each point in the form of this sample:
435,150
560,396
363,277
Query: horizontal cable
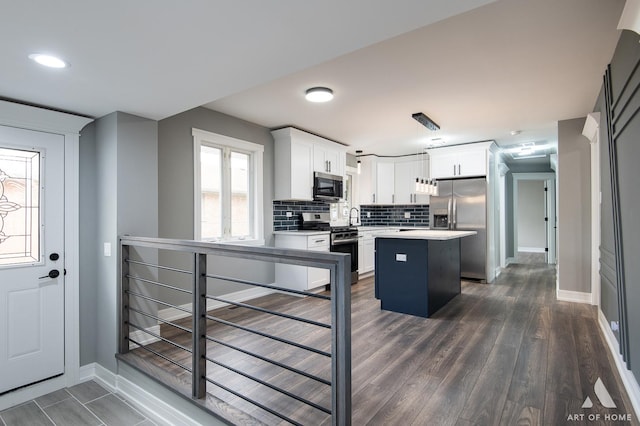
272,287
254,402
269,336
144,280
267,311
133,293
269,385
160,355
271,361
188,330
157,336
166,268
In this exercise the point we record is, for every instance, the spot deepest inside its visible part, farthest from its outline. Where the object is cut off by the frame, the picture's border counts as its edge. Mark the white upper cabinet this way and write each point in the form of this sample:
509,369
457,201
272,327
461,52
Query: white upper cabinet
459,161
367,180
385,183
328,158
297,155
406,172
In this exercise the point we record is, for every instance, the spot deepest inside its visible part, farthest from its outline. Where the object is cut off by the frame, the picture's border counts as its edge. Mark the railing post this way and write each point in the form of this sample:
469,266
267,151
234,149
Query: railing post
341,344
123,309
199,326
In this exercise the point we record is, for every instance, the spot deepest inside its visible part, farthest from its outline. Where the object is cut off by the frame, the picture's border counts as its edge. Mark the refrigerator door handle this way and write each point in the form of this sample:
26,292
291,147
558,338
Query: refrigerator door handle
449,218
455,213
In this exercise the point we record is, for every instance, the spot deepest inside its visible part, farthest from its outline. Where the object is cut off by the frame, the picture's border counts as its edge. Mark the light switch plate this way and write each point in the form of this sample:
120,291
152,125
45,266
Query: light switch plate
289,214
107,249
407,215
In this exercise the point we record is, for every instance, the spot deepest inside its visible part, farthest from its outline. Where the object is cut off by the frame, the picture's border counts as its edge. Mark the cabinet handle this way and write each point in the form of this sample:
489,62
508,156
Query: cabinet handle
454,169
320,241
393,198
373,198
459,170
329,165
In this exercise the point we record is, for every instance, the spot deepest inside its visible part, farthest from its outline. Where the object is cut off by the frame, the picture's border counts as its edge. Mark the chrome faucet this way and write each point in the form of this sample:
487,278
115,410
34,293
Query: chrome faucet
351,216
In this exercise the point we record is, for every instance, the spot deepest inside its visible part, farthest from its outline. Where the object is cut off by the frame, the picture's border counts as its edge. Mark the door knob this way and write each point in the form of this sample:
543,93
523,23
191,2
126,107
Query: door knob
54,273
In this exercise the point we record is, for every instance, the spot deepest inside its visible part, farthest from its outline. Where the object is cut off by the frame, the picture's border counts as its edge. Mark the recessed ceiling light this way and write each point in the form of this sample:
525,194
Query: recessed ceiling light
319,94
48,60
515,132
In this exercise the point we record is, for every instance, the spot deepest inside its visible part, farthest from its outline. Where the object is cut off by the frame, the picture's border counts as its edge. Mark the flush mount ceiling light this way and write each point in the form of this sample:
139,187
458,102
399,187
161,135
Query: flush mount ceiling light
48,60
425,121
319,94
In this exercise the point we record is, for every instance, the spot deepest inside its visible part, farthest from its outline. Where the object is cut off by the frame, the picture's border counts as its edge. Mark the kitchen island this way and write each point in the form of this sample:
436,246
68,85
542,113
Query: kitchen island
417,272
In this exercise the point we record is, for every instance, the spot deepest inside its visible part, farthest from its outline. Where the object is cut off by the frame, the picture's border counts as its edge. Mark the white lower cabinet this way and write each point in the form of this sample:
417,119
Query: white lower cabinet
297,277
366,252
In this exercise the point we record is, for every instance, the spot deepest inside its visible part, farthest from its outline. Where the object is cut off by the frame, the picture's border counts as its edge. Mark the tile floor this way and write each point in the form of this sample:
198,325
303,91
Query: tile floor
81,405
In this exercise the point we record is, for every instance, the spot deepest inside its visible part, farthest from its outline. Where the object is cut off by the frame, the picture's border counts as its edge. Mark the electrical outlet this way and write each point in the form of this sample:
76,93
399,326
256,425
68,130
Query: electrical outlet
289,214
368,214
615,326
107,249
407,215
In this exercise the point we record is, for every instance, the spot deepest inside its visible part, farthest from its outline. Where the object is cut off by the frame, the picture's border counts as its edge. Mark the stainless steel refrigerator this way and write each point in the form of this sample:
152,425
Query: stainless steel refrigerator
461,204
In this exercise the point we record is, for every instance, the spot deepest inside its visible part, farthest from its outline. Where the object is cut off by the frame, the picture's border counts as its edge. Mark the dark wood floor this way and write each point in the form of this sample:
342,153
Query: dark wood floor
505,353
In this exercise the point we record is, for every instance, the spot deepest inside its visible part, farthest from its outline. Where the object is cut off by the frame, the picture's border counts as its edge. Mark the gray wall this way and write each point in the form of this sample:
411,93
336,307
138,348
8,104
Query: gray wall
531,213
175,183
119,164
574,207
89,246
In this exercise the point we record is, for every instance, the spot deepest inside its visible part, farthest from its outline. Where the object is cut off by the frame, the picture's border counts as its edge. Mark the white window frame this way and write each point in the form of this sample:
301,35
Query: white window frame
256,153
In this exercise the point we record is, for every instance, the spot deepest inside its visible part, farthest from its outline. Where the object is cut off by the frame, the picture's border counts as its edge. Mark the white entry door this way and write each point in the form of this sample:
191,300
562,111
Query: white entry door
31,257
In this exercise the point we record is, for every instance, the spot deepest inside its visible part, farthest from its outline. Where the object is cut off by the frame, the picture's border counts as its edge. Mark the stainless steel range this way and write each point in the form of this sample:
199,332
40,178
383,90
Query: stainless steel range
344,239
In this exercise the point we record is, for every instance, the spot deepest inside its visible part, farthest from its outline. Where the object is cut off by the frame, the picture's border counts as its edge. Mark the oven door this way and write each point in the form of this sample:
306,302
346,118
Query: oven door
349,247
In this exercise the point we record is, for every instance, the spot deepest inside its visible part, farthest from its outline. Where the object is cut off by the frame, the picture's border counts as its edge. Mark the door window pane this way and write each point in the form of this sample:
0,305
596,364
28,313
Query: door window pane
19,206
240,209
211,203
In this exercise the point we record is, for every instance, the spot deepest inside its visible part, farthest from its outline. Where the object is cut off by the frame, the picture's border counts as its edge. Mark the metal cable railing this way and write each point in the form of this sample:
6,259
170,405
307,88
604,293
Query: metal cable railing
188,333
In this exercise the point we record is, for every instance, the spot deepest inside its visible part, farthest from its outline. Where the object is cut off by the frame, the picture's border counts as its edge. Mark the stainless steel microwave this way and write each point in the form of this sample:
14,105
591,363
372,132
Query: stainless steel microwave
327,187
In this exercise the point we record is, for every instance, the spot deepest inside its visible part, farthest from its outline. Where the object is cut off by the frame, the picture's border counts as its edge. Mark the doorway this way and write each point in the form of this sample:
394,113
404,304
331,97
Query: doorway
31,257
535,218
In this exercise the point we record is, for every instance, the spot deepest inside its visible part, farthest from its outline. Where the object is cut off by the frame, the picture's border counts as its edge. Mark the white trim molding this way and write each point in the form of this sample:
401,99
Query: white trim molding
69,125
630,19
573,296
628,379
591,131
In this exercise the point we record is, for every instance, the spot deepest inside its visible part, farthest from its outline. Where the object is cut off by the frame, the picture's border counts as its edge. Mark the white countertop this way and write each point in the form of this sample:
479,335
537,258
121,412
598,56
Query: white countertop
308,233
427,235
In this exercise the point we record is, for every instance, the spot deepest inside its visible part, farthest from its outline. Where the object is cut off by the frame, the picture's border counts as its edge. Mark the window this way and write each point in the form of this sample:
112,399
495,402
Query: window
19,206
228,198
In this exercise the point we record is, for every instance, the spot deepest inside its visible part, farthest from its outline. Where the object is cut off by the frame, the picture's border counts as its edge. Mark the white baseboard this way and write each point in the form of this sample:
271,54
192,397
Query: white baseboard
573,296
172,314
532,249
510,260
628,379
151,406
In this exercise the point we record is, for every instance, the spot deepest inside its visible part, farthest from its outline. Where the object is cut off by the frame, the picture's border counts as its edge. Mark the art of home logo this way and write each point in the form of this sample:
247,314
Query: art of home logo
604,398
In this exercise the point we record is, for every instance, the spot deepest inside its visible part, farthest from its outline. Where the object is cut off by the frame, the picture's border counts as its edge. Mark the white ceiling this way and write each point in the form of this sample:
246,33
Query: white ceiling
157,58
478,68
508,65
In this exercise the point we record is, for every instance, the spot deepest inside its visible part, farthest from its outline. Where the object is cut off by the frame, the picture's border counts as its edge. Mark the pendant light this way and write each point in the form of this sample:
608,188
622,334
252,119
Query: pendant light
359,163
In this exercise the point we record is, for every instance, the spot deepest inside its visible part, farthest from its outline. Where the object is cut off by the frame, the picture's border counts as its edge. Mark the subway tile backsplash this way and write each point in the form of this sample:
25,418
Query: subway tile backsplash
394,215
381,215
280,208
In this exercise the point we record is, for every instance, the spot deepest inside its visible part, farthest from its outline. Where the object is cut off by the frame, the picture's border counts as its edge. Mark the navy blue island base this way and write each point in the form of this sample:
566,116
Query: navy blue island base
416,276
